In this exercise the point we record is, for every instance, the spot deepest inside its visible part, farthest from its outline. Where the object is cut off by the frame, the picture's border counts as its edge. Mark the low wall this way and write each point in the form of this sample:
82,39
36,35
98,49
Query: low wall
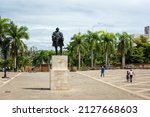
38,68
138,66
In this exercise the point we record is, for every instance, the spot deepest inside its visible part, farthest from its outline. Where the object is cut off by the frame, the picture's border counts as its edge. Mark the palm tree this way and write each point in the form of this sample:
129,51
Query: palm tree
71,56
42,56
17,34
108,41
4,40
125,44
92,40
38,58
23,57
5,43
78,47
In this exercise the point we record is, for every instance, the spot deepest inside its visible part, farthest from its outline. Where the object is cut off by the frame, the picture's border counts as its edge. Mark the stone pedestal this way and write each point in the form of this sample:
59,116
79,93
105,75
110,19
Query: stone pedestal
59,73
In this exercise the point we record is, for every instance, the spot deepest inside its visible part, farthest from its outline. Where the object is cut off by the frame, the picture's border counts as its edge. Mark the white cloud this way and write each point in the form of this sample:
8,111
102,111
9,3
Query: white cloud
43,16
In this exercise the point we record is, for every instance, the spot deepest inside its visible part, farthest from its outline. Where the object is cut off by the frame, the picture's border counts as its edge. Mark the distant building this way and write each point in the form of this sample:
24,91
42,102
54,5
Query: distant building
146,33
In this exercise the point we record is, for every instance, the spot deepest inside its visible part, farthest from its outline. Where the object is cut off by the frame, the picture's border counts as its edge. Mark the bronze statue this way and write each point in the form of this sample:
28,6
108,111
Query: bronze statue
57,38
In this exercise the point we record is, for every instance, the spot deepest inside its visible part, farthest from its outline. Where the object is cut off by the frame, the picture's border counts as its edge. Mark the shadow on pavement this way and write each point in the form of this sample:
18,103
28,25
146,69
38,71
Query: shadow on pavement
37,88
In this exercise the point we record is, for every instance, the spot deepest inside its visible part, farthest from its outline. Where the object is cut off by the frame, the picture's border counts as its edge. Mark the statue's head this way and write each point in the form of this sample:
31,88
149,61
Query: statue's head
57,29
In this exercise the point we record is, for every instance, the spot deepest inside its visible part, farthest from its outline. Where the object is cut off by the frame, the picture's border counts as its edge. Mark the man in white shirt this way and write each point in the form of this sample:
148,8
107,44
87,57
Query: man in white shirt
131,73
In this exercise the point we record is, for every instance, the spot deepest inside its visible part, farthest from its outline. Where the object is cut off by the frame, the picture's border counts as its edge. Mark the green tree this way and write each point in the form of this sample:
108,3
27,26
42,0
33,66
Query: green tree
147,52
137,55
108,42
17,45
143,46
124,45
4,41
42,57
92,39
78,47
23,58
38,58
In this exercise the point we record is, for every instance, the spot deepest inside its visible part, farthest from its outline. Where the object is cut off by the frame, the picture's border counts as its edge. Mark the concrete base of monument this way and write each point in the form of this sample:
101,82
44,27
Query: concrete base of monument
59,79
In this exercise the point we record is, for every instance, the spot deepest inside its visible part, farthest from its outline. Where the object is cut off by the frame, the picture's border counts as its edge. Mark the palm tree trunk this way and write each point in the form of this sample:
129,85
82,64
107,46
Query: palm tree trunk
92,58
15,63
5,58
79,59
94,63
106,59
123,61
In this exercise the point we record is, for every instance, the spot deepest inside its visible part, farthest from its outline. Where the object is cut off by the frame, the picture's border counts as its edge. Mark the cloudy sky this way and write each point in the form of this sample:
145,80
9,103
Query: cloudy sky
71,16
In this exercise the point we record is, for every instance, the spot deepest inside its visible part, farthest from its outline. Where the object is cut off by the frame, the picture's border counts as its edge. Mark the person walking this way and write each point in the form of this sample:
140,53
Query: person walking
102,71
128,75
131,73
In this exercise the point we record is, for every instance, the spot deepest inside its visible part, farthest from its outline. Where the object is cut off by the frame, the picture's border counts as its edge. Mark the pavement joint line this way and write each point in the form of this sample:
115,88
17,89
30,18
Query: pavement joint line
142,90
131,92
108,78
134,88
116,77
4,83
137,83
118,81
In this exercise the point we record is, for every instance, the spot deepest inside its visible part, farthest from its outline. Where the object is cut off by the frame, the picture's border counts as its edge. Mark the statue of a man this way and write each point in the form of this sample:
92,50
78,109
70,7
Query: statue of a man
57,38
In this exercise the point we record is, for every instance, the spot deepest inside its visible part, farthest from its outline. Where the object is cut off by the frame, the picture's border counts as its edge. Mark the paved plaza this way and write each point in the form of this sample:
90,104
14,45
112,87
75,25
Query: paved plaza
84,85
117,78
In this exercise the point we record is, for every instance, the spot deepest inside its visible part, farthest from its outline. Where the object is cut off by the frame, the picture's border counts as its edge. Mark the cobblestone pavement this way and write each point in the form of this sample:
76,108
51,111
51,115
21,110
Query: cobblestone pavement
117,78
